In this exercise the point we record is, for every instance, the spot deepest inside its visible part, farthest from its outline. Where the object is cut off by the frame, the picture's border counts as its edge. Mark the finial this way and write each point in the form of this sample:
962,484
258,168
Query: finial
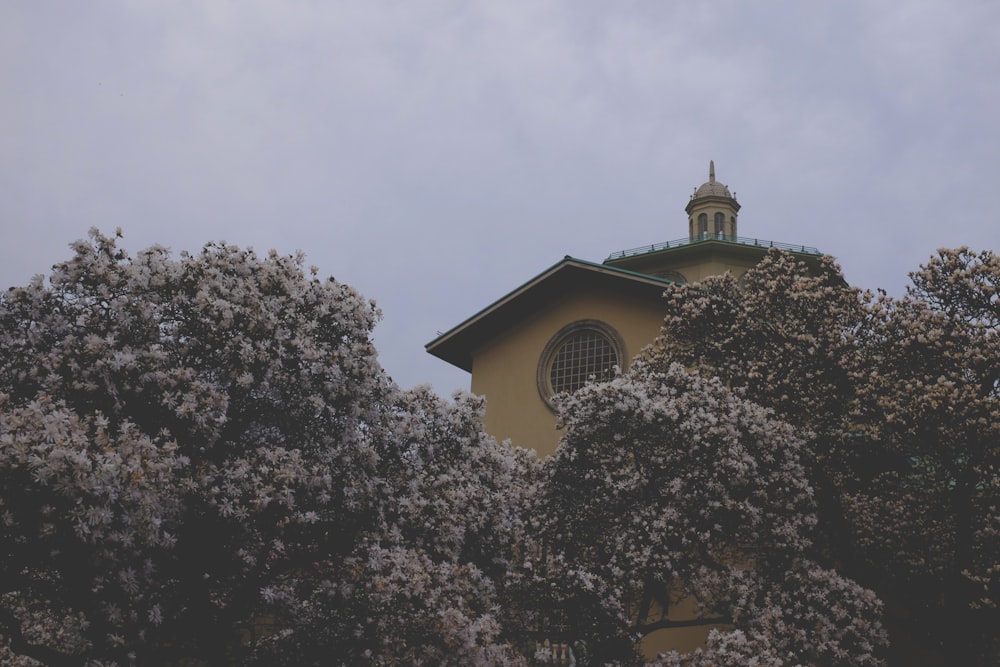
711,171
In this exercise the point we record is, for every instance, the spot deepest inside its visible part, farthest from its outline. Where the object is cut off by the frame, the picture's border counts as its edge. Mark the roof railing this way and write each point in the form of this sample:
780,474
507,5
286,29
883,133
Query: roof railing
739,240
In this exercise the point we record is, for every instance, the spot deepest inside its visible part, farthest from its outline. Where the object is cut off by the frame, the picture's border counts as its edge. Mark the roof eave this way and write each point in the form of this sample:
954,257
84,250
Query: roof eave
455,345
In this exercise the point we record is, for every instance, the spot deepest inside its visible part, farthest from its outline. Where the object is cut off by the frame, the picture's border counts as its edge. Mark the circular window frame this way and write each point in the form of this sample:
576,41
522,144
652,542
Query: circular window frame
543,376
676,276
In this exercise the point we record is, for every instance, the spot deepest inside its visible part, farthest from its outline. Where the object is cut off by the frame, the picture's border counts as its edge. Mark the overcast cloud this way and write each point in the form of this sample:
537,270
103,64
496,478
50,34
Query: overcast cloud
437,154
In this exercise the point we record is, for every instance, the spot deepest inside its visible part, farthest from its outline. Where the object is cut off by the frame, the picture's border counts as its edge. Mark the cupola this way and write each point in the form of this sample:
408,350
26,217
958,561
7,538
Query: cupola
712,210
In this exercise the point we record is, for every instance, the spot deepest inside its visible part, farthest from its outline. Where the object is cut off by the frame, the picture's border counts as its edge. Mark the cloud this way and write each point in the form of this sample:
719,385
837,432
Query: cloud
438,154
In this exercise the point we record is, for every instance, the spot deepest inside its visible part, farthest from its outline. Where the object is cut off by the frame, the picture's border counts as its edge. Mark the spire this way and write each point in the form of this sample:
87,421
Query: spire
711,171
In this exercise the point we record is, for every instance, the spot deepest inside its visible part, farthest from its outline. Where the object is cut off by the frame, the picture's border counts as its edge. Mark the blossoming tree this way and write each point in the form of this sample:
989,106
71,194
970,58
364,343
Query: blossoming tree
930,380
899,401
667,486
785,336
203,461
780,333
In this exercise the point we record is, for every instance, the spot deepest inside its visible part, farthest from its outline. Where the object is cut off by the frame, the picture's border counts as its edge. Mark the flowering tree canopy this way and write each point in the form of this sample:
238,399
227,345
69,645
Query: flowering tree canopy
195,449
665,486
429,583
784,335
779,333
930,380
898,400
204,463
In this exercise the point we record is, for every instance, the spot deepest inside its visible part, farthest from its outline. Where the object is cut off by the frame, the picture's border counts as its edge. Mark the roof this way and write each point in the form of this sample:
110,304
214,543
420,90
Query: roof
712,189
708,241
457,345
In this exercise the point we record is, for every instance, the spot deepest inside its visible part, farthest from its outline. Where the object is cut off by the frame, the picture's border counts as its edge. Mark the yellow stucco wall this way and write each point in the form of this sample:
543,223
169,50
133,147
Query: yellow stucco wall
698,271
695,268
505,369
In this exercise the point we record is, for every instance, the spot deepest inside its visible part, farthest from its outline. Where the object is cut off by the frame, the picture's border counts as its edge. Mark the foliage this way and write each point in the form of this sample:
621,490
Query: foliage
898,398
194,449
666,486
779,334
204,463
931,383
428,584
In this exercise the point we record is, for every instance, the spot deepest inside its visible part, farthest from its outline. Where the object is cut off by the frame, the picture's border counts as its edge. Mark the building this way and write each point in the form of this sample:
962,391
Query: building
577,320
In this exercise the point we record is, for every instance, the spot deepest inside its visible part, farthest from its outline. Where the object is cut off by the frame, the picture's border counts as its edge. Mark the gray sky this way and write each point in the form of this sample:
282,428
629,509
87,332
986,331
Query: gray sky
436,154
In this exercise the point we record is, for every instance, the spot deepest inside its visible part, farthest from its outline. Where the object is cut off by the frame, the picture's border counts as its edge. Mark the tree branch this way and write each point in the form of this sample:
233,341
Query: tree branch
668,624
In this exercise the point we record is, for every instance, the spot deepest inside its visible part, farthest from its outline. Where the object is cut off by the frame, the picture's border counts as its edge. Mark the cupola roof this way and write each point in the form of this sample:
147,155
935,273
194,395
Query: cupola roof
712,187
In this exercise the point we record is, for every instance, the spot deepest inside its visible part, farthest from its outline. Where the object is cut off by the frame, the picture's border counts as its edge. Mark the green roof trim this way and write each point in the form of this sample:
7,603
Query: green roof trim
626,272
735,240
